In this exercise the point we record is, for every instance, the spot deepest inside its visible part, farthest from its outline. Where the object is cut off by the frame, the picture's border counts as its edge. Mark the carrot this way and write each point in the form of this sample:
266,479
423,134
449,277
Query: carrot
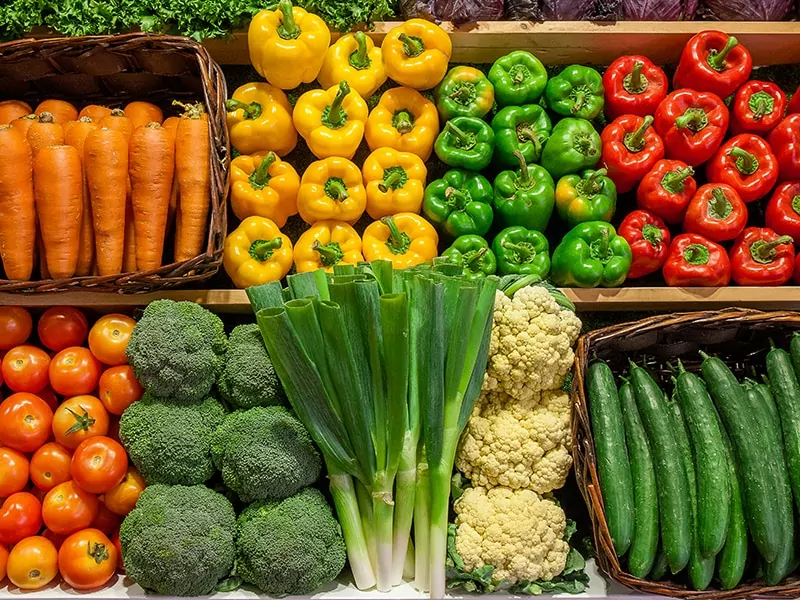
45,131
40,257
129,254
22,124
75,136
106,164
142,113
95,112
61,110
13,109
117,120
17,209
171,125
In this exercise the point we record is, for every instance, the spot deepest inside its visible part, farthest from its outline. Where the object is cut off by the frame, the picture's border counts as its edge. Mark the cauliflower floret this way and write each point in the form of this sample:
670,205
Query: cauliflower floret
518,443
518,532
531,345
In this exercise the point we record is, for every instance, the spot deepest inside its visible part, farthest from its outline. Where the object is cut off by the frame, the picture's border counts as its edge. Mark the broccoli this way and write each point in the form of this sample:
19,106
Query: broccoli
171,443
264,453
291,546
179,541
176,350
248,378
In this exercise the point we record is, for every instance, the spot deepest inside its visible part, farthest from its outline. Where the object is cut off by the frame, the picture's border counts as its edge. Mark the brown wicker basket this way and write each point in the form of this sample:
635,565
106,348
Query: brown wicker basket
113,70
741,337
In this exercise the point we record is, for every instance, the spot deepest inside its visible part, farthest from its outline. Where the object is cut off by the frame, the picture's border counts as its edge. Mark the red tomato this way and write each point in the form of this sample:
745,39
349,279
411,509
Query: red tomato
109,338
25,369
67,508
51,465
33,563
74,371
25,421
15,326
106,521
99,464
119,388
54,537
49,396
87,559
20,517
61,327
118,545
79,418
14,471
122,498
4,557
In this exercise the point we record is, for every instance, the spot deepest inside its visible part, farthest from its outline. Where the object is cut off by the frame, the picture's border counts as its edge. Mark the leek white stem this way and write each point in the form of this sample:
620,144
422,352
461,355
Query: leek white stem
383,511
405,490
344,497
408,567
422,532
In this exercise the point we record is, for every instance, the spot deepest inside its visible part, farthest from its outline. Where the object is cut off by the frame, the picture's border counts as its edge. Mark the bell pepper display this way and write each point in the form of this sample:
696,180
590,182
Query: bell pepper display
695,261
648,238
287,45
417,53
518,78
692,125
666,190
331,121
256,252
524,197
464,92
331,189
356,59
574,145
259,119
405,239
263,186
633,85
783,210
404,120
577,91
460,203
758,107
520,128
713,61
630,149
394,181
785,143
473,253
591,255
762,257
521,251
588,196
466,142
326,244
716,212
747,164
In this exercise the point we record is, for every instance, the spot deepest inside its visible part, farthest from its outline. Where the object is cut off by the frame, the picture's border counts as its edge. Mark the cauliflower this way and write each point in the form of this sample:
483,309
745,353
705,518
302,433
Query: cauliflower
518,443
531,345
517,532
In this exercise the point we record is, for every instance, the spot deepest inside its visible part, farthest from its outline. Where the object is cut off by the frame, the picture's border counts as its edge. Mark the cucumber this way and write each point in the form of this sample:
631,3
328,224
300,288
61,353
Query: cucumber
642,552
787,397
768,404
675,511
659,569
794,350
731,561
613,466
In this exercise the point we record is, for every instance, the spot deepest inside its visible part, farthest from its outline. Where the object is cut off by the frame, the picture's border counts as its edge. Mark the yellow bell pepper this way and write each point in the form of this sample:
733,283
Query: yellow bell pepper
331,121
287,45
260,120
256,252
404,120
263,186
395,182
326,244
405,239
356,59
331,189
417,53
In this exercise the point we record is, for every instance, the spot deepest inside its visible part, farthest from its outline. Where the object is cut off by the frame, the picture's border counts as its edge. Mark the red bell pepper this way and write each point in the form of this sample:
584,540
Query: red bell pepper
794,103
783,210
785,142
747,164
694,261
758,107
713,61
716,212
692,125
648,238
633,86
762,257
630,149
667,189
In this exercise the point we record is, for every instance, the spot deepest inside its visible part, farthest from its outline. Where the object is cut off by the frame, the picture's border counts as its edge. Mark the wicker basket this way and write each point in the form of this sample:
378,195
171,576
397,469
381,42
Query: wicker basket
114,70
740,337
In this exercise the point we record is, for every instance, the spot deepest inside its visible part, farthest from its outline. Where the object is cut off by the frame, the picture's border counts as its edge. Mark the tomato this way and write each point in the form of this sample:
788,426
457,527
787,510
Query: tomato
20,517
25,421
50,465
26,369
67,508
54,537
106,521
4,558
118,545
61,327
74,371
33,563
14,471
99,464
109,337
119,388
49,396
122,498
15,326
87,559
79,418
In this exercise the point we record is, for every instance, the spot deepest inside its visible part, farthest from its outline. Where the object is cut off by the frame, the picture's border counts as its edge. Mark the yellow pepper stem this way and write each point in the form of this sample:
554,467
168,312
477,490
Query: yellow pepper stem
252,110
259,179
329,254
412,45
334,116
336,189
393,178
288,30
398,241
360,58
403,121
262,250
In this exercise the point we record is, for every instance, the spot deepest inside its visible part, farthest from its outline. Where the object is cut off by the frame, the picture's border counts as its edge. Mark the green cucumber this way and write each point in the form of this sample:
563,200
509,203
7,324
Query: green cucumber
794,350
659,569
784,383
731,561
768,403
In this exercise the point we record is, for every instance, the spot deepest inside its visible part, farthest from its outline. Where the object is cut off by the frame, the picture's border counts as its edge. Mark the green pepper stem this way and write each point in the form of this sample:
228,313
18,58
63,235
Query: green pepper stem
635,141
746,163
591,184
412,46
262,250
524,176
580,98
719,206
763,251
796,204
336,114
360,58
336,189
398,241
652,234
696,254
473,262
716,60
518,72
524,250
604,243
288,30
329,254
260,177
403,121
460,135
695,119
251,111
673,181
458,198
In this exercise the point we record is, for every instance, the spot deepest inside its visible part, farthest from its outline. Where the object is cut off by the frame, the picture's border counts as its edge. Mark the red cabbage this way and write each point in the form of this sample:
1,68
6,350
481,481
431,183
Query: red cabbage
659,10
457,11
563,10
745,10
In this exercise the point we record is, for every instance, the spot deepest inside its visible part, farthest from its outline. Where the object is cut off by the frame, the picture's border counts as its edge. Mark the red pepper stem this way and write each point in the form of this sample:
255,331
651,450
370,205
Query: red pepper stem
716,60
694,118
652,234
524,176
634,141
262,250
288,30
251,111
412,46
336,114
673,181
763,251
260,177
360,58
745,162
719,207
796,204
696,254
637,81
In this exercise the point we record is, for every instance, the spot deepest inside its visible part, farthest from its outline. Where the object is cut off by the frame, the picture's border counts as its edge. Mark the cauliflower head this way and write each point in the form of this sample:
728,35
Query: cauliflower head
519,444
518,532
531,344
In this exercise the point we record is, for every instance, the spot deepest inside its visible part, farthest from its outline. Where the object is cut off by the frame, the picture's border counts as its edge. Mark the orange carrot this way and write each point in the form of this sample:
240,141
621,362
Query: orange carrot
13,109
117,120
17,210
95,112
75,136
45,132
142,113
171,125
24,123
129,253
40,257
61,110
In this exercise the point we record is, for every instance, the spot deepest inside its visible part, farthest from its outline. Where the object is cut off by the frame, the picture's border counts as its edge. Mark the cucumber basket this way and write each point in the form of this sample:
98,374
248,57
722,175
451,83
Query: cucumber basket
697,431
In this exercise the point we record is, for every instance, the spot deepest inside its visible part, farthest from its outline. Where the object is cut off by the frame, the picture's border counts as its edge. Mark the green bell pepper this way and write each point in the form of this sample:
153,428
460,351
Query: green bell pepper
466,142
460,203
576,92
590,196
521,251
524,128
591,254
519,78
525,196
464,92
473,253
574,145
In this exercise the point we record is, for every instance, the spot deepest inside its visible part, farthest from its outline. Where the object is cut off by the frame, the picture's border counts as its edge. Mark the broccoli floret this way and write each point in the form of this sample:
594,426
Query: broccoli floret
265,453
291,546
248,378
171,443
177,349
179,541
